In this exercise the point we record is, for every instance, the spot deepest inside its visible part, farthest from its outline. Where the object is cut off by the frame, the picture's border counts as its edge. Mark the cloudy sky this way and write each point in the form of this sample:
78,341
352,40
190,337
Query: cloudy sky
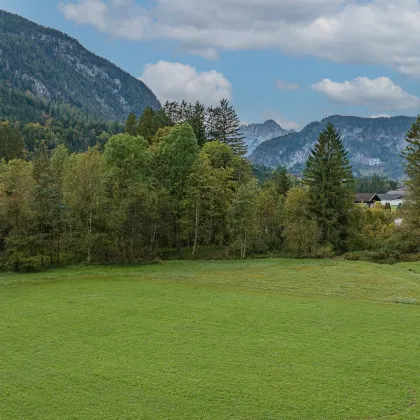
294,61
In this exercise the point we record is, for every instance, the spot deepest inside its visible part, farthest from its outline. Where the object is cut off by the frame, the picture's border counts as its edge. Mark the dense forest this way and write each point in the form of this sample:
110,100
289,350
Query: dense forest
175,183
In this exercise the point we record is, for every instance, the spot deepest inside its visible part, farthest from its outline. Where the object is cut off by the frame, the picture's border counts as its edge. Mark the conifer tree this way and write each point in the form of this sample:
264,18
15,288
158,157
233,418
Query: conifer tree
150,122
198,123
328,174
223,125
131,124
282,180
412,167
171,110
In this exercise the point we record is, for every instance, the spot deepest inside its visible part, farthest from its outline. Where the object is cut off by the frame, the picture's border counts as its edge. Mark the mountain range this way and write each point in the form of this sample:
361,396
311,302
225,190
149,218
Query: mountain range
50,66
255,134
43,70
374,145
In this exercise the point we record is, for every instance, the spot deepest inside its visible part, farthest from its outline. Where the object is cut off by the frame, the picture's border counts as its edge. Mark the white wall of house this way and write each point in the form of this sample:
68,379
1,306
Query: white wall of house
392,202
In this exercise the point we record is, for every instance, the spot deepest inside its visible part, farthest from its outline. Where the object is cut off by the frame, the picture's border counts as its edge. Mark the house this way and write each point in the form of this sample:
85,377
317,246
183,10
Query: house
402,193
391,199
369,199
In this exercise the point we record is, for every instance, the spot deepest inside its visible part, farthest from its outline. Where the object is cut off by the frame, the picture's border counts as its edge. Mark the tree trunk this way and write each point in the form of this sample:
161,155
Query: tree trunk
197,214
89,257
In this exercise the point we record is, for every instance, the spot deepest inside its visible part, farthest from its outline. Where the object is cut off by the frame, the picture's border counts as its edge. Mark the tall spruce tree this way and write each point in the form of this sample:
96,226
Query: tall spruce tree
150,122
131,124
282,180
198,122
412,167
328,175
171,109
223,125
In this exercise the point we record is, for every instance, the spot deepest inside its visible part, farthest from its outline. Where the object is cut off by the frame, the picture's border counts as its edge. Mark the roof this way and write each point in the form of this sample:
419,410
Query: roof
402,193
390,197
365,197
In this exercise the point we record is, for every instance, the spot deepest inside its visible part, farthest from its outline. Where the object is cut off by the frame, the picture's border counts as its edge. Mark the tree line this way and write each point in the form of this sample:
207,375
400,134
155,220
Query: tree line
176,184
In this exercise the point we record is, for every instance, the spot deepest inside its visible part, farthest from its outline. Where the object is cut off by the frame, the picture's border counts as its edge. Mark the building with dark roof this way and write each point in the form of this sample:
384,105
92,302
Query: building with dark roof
369,199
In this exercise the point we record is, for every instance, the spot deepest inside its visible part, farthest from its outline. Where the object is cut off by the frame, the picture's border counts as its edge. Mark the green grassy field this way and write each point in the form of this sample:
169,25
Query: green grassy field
269,339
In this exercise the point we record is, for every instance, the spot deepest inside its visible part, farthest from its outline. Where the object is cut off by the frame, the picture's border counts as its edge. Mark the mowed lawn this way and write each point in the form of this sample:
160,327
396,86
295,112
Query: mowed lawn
268,339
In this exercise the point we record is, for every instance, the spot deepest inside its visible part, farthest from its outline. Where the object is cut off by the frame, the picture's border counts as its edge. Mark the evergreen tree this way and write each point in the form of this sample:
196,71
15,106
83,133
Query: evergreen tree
172,111
282,180
197,121
328,174
223,125
412,167
150,122
131,124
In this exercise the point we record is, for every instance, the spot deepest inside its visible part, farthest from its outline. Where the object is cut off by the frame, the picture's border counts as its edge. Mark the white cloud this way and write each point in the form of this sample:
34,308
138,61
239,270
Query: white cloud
176,81
385,32
286,124
92,12
380,93
283,85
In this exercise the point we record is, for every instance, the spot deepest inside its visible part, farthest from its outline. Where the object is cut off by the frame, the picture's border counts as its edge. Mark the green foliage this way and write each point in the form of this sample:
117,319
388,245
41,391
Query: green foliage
85,196
301,234
11,144
208,195
375,184
128,159
328,176
131,124
412,156
175,155
17,199
129,199
243,216
150,122
281,180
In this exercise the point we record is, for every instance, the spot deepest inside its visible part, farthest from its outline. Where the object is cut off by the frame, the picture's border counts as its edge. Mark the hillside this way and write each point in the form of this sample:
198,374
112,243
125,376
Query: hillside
255,134
374,145
51,66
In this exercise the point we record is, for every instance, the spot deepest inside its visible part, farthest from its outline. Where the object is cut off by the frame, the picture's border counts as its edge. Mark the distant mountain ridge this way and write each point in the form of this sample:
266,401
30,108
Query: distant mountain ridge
255,134
54,67
374,145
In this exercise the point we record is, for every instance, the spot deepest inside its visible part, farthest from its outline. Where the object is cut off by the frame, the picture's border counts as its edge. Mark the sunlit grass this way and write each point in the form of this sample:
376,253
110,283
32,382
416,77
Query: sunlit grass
273,339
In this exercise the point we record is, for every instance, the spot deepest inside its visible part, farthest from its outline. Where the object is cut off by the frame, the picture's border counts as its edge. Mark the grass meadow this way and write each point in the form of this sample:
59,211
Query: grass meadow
266,339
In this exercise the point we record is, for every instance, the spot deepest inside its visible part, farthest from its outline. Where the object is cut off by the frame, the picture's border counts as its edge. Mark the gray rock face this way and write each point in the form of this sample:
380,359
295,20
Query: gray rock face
255,134
374,145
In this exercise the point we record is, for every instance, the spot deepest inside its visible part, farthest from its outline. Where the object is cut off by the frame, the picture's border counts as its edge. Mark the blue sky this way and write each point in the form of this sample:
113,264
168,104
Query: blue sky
294,61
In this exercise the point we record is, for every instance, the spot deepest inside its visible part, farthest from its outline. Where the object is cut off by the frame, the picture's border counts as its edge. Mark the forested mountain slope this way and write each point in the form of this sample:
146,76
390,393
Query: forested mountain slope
255,134
51,66
374,145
